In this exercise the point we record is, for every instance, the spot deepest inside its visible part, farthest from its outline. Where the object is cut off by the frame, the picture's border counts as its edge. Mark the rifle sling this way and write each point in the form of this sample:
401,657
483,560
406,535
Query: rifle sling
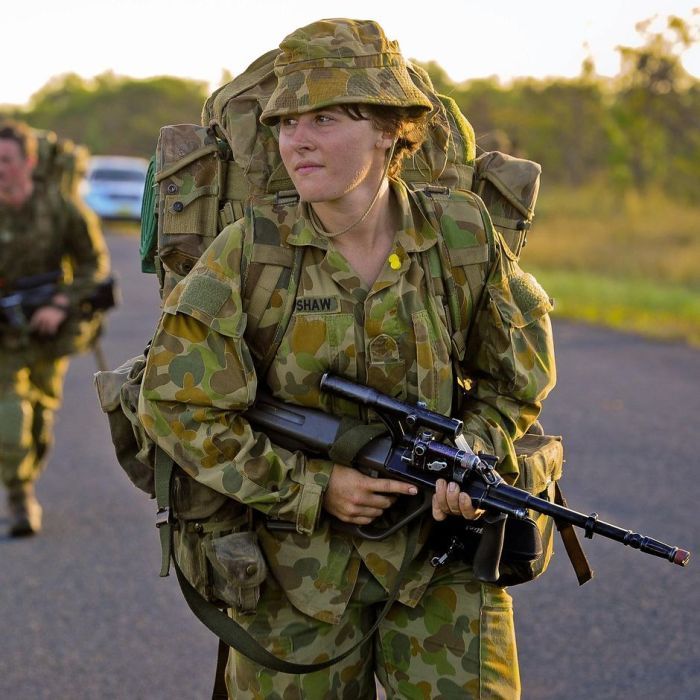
574,551
352,436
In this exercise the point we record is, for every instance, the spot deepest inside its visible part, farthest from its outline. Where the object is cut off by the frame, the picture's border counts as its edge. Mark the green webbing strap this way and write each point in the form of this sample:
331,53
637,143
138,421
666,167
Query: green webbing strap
163,468
261,295
287,311
352,436
238,638
220,692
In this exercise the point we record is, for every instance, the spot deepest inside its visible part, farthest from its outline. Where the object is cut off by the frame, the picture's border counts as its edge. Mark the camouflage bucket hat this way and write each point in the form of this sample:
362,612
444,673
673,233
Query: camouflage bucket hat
340,61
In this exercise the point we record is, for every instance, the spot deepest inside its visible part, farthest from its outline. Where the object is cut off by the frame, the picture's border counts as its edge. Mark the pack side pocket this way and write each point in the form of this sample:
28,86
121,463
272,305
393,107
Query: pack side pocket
118,393
202,516
509,187
541,461
190,175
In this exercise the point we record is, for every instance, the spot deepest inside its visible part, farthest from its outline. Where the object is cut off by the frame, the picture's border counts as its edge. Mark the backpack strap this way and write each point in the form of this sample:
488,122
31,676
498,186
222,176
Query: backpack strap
163,467
271,268
460,260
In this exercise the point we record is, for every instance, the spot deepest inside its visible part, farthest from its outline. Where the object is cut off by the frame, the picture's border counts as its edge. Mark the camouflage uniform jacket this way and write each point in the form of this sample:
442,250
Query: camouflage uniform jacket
200,376
50,233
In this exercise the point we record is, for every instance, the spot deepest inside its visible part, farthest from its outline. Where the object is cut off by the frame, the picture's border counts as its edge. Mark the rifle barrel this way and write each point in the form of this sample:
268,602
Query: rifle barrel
296,427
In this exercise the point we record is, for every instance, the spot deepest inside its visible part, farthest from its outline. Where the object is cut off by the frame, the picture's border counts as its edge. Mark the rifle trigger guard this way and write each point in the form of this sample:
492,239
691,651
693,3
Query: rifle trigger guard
590,525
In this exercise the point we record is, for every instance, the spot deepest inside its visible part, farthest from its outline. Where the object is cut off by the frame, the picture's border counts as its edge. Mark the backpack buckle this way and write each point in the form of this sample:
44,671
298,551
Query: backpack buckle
430,190
162,517
286,197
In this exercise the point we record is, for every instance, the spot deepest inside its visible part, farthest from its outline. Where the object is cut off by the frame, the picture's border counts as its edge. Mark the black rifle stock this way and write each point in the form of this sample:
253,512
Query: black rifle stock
32,292
415,452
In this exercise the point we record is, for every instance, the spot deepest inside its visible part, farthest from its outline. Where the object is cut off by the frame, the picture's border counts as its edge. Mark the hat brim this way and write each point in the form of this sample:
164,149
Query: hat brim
308,90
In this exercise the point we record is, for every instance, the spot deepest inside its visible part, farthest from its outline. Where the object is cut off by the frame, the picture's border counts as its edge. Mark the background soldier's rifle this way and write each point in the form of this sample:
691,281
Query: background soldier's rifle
34,291
416,451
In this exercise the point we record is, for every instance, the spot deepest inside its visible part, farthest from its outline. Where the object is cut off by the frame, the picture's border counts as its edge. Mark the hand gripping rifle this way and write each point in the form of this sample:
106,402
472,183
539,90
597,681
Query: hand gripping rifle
416,451
32,292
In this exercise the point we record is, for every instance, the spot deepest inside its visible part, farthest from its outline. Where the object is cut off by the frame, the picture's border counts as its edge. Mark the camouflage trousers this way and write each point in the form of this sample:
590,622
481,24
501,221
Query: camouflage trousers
458,643
31,390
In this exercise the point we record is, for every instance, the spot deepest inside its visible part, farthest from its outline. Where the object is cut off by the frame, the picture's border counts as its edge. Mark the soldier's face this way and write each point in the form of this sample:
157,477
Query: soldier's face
15,168
329,155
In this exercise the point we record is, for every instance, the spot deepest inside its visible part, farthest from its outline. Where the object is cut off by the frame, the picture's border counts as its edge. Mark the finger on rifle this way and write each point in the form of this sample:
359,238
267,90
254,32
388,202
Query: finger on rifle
447,497
449,500
392,486
440,508
452,498
360,515
467,508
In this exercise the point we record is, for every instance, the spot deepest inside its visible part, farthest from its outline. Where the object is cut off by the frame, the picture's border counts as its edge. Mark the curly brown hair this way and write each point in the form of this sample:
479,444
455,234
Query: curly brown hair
409,128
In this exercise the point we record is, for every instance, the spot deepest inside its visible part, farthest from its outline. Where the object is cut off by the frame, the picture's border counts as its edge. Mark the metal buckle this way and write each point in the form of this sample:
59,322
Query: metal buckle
162,517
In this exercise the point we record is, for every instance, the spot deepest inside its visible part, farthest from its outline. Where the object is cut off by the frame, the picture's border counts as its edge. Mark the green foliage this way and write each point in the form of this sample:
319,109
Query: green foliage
115,115
638,130
630,261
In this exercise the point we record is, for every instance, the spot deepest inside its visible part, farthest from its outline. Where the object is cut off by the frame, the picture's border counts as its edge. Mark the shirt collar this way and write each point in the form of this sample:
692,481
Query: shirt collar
415,232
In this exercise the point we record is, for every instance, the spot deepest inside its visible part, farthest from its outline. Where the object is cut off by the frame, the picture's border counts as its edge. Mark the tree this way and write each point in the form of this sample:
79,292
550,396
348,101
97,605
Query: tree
112,114
656,105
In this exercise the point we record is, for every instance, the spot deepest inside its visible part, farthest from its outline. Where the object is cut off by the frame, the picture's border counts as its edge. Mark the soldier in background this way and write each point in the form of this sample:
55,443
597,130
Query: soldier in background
45,236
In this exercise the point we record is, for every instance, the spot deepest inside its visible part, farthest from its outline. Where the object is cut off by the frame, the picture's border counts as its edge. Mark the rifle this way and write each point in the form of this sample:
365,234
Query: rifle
416,450
34,291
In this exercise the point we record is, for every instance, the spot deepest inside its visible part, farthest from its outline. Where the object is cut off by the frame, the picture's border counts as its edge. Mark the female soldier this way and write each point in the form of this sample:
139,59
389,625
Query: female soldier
348,113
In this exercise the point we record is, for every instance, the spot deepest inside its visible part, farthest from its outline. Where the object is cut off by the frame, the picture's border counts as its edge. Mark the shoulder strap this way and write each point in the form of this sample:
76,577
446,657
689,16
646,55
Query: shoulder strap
460,259
271,269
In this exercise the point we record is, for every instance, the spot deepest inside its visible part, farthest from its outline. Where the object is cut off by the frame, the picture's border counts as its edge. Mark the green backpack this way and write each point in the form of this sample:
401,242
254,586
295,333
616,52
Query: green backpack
201,179
61,164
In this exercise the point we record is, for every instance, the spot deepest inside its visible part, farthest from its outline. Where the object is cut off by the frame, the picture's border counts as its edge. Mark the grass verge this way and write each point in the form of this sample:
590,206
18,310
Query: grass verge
657,310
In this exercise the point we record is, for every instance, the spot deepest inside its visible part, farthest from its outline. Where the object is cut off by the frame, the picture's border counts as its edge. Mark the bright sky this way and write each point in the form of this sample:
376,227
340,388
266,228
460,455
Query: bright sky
200,38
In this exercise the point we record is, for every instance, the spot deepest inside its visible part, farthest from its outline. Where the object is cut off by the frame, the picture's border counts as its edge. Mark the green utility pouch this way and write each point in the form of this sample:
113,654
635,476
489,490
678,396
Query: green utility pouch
118,392
238,569
212,545
541,461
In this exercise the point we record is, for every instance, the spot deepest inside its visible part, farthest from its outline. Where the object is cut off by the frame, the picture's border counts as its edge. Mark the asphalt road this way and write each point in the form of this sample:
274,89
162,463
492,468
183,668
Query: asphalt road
84,614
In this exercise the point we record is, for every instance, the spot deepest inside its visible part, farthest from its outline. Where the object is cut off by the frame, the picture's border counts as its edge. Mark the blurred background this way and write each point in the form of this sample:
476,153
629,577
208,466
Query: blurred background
605,95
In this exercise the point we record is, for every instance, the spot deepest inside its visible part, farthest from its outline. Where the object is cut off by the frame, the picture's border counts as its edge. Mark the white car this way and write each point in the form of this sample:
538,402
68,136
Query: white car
113,186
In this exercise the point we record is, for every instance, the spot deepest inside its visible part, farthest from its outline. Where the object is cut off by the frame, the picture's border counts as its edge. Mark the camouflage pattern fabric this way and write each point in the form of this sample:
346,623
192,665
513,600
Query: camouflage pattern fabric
200,376
458,643
61,163
52,233
340,61
46,234
31,389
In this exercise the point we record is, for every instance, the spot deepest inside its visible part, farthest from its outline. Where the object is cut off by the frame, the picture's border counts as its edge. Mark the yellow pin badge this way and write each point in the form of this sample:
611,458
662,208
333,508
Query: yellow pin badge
394,261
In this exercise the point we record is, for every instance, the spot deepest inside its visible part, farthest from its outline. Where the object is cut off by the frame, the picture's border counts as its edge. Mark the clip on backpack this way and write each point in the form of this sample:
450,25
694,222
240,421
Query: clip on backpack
203,178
